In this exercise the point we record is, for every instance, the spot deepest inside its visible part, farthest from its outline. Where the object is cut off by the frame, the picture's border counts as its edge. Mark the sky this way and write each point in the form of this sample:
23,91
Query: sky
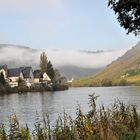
65,24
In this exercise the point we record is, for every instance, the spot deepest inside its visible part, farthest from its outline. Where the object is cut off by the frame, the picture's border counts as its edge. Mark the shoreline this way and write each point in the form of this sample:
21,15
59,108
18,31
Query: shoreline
6,89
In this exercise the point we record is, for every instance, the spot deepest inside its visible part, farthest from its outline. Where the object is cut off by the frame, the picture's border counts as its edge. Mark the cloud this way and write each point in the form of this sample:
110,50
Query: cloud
61,57
21,56
15,56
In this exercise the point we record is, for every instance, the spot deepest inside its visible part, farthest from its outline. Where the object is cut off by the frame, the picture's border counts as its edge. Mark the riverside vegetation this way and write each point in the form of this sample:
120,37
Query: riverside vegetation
118,122
6,89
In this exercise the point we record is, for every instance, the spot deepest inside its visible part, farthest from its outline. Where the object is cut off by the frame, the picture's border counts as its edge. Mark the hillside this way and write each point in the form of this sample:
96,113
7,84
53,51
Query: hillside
125,68
77,72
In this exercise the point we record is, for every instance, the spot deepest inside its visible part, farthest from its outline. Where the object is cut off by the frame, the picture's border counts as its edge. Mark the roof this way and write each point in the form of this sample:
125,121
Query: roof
3,67
14,72
46,77
37,74
26,71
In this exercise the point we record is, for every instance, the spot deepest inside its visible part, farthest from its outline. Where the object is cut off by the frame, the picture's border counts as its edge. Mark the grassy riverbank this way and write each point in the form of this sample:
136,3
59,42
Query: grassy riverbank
119,122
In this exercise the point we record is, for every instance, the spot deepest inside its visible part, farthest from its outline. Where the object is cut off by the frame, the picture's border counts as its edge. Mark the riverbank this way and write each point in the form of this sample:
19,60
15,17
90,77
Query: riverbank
119,122
89,82
6,89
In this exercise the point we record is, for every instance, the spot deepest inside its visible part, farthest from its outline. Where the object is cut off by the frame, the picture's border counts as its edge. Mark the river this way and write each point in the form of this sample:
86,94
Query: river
27,105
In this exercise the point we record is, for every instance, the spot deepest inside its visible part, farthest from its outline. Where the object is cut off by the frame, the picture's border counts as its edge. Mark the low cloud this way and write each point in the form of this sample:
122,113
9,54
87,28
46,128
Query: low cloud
15,56
21,56
61,57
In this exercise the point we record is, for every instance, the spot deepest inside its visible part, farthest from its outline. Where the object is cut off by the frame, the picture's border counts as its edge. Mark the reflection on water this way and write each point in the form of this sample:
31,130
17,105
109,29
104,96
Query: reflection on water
26,105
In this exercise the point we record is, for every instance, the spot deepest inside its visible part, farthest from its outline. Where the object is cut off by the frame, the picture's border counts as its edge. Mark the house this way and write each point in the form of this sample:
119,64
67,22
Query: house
37,76
41,77
28,75
3,69
13,76
46,78
70,81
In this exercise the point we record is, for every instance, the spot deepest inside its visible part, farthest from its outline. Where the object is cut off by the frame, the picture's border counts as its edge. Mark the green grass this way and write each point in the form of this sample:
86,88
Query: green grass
119,122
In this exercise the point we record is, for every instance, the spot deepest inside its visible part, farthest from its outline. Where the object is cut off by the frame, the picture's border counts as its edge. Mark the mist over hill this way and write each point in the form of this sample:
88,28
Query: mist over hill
72,63
77,72
125,68
130,60
16,55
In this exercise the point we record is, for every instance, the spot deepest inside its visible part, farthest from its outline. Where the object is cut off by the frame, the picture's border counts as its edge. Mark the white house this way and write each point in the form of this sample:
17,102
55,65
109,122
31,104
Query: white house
46,77
37,76
27,75
4,73
3,69
13,75
41,77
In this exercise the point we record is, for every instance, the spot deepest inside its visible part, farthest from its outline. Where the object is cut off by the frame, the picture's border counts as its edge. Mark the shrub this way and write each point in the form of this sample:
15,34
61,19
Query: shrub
106,82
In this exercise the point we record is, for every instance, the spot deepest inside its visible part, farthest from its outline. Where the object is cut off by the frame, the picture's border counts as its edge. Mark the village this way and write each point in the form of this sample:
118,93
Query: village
29,78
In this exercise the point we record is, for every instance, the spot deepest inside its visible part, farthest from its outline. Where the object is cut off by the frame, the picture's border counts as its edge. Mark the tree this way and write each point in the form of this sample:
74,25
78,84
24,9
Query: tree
43,62
128,14
57,75
50,70
2,79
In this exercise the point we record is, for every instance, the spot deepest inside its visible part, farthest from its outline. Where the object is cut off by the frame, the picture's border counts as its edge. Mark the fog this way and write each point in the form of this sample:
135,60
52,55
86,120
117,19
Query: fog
23,56
83,59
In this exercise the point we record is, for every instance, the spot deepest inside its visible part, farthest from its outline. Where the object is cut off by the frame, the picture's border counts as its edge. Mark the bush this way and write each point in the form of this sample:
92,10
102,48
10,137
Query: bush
123,82
106,82
59,87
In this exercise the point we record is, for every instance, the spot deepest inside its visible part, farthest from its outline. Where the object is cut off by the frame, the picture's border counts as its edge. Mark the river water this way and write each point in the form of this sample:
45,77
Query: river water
28,105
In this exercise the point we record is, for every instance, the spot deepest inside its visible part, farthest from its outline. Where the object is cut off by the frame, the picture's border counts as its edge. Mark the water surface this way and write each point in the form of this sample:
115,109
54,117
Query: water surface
27,104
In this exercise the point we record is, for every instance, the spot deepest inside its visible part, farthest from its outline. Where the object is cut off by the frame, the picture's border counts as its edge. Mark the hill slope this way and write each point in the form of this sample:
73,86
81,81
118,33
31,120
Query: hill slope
126,68
78,72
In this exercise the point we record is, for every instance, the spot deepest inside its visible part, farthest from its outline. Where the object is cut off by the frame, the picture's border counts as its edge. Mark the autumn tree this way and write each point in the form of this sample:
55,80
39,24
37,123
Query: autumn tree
128,14
43,62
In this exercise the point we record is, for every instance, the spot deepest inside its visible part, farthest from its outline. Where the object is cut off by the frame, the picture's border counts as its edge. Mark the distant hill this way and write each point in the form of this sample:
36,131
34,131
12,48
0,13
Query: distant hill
126,68
78,72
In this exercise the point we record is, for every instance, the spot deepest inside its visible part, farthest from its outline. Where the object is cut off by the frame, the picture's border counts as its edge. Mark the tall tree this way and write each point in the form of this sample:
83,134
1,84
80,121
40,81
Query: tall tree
50,70
128,14
43,62
2,79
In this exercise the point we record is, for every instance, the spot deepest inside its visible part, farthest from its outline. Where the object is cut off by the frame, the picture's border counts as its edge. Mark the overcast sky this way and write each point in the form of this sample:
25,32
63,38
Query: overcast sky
68,24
